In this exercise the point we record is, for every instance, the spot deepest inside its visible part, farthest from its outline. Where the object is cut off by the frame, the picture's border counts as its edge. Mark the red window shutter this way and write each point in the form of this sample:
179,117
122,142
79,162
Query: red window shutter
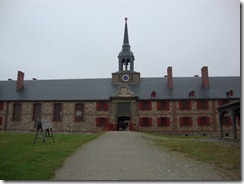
149,105
1,106
98,105
106,106
167,105
199,121
189,105
180,105
150,122
190,121
159,121
168,121
208,121
97,122
207,104
140,105
140,122
198,105
106,122
158,105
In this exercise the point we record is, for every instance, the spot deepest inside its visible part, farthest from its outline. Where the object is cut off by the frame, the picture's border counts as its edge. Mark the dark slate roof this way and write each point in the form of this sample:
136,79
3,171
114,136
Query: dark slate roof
102,89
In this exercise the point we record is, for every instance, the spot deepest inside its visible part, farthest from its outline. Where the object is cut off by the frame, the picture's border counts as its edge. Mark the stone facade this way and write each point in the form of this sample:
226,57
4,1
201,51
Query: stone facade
91,113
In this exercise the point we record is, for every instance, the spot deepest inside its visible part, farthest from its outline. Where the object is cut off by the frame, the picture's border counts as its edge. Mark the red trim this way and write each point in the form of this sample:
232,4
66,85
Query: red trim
180,105
1,106
150,122
149,105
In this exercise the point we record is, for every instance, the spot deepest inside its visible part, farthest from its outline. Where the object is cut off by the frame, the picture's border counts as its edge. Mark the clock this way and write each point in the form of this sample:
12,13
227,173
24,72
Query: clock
125,78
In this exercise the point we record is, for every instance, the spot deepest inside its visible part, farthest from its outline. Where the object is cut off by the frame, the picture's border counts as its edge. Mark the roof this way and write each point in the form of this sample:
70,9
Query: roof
103,89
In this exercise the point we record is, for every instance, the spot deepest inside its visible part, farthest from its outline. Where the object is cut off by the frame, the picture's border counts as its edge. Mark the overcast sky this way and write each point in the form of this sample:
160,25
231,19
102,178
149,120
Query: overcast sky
70,39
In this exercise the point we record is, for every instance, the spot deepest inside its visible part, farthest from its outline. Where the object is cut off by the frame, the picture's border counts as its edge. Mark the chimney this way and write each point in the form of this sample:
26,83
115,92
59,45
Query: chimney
205,80
20,81
170,78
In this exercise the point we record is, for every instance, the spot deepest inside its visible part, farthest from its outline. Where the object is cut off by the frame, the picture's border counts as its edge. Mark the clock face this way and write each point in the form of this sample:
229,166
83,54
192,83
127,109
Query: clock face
125,78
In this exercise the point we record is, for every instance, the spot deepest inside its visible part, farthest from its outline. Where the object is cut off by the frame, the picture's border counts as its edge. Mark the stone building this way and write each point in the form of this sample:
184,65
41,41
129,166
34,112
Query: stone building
176,105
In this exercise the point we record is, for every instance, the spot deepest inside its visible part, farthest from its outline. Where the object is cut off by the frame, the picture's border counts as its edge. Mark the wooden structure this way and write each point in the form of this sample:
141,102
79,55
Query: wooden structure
233,109
44,129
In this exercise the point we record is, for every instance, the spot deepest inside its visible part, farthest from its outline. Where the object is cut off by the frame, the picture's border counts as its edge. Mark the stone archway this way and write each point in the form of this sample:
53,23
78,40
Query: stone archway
121,122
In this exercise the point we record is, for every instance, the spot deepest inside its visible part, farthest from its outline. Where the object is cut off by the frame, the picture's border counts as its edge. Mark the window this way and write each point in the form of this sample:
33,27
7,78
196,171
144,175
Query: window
79,108
203,121
145,105
185,121
229,93
1,106
192,93
36,111
1,120
57,112
163,122
226,121
153,94
202,105
185,105
102,106
145,122
17,111
101,122
163,105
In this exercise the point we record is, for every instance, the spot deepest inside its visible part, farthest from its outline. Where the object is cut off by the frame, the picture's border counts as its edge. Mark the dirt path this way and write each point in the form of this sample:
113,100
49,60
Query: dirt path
128,156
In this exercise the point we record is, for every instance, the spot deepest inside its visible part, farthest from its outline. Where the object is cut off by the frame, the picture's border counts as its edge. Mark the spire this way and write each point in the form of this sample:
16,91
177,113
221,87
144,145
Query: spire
126,45
126,57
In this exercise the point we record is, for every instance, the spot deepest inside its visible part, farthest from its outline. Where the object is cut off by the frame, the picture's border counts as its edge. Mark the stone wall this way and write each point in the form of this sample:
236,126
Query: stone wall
68,123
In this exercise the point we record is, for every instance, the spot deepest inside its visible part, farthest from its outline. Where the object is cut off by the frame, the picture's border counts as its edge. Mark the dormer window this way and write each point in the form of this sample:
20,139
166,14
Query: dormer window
192,93
153,94
229,93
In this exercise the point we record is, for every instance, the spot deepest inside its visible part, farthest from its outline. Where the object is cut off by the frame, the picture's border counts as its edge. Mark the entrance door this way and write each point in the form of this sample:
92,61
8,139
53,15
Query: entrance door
123,123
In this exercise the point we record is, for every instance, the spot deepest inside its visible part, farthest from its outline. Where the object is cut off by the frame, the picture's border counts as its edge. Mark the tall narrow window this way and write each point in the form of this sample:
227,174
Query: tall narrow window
145,122
57,116
36,111
163,122
1,106
79,108
202,105
16,113
102,106
145,105
163,105
185,104
203,121
185,121
101,122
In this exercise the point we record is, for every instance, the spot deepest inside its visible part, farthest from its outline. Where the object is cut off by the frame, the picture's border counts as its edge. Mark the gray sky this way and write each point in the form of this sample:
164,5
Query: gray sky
69,39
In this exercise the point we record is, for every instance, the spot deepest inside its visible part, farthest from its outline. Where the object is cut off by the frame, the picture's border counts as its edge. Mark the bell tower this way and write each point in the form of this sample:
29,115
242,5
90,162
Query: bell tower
126,73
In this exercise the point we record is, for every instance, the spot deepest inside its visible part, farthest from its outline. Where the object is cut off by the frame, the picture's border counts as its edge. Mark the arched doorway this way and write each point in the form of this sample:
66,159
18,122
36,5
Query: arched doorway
122,122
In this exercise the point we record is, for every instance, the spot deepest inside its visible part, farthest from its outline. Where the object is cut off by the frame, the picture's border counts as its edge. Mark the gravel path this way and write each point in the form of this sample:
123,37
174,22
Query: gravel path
128,156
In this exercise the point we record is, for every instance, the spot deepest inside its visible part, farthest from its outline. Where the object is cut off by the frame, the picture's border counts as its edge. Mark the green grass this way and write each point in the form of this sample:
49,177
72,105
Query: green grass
21,159
226,157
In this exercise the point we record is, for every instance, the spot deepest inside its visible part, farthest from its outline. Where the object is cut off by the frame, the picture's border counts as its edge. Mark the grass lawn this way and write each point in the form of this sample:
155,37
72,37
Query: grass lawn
226,157
21,159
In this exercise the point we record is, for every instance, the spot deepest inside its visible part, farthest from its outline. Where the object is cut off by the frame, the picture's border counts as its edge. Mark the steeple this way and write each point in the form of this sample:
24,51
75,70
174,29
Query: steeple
126,73
126,45
126,56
